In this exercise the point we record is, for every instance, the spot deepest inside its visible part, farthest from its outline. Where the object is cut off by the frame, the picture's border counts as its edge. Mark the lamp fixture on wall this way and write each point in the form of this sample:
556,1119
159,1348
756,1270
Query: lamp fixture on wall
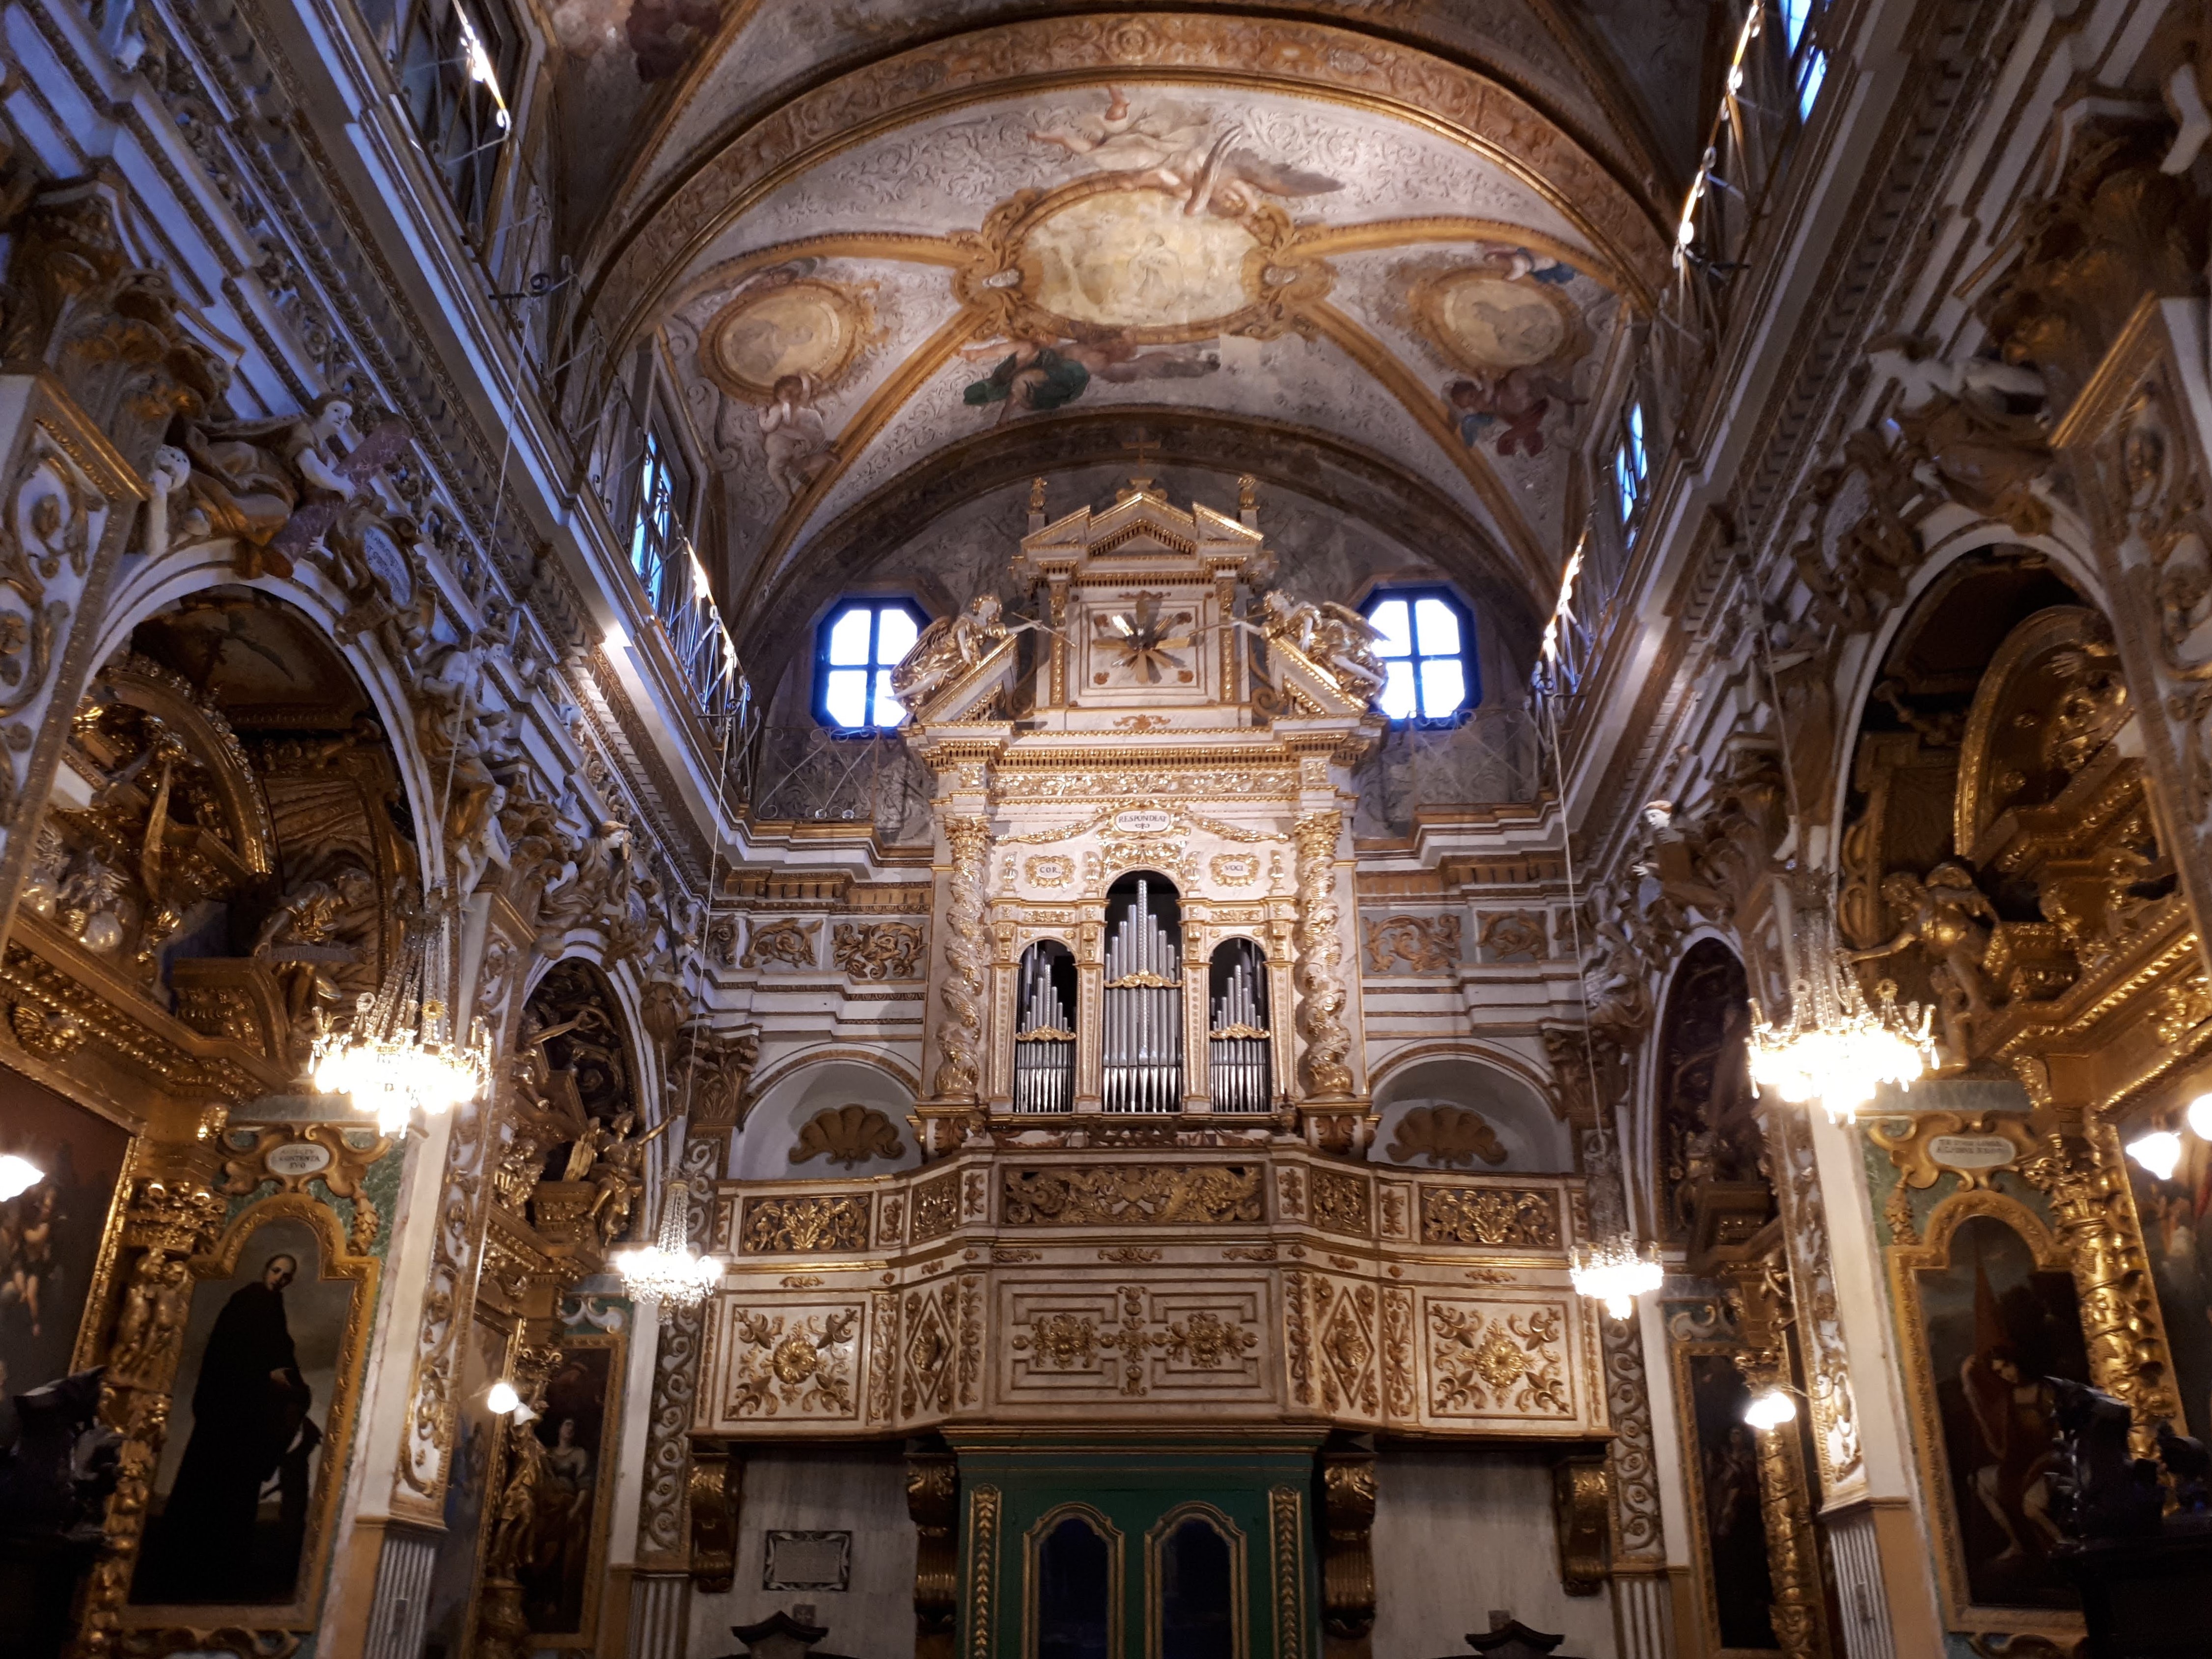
399,1054
666,1272
17,1176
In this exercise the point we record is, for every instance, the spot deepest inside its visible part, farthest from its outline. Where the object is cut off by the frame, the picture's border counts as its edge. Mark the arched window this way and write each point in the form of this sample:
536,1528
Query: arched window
1074,1593
1631,462
860,643
1044,1029
1427,648
1197,1588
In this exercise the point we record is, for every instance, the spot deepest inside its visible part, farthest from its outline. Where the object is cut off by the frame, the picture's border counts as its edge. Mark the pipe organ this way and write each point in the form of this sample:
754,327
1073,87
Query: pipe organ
1143,790
1143,1025
1044,1033
1236,1030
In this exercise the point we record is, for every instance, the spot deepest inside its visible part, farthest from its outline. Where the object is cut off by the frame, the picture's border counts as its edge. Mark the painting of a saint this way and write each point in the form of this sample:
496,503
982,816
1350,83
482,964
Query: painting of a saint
245,1457
1995,1328
476,1432
2173,1217
1740,1586
554,1561
50,1232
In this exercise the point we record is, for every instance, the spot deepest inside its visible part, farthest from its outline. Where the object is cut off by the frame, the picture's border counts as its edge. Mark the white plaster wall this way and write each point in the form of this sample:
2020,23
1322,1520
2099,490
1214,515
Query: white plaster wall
856,1489
1460,1532
1531,1137
772,1127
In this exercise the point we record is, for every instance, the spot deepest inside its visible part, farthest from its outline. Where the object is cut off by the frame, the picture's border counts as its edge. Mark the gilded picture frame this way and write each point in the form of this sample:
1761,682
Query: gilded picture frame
335,1263
614,1345
1911,1268
1699,1335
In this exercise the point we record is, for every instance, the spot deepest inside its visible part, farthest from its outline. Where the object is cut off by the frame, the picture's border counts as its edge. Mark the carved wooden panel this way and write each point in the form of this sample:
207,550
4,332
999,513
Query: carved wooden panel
1484,1358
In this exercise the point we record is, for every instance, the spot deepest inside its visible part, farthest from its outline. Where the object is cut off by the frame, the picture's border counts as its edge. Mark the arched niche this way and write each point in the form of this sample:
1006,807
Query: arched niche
228,830
1044,1029
1710,1169
1455,1112
576,1146
839,1118
1998,838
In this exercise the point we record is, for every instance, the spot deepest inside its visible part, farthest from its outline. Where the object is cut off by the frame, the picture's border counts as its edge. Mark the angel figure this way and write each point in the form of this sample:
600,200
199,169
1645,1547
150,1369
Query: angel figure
1517,399
1336,637
797,442
1177,151
618,1176
1953,922
949,646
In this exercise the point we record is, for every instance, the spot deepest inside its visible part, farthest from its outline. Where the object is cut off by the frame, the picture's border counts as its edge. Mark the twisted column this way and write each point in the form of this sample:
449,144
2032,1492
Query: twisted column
1323,1074
960,1031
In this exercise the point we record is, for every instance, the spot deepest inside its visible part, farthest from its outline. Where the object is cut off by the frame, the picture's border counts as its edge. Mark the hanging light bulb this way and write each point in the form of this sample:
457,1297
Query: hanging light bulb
1771,1410
1615,1272
399,1056
500,1398
2159,1152
1835,1048
666,1272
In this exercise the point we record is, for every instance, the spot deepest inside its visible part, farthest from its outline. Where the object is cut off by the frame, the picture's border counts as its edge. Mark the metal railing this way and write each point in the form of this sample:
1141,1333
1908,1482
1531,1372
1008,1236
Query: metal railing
809,774
1489,760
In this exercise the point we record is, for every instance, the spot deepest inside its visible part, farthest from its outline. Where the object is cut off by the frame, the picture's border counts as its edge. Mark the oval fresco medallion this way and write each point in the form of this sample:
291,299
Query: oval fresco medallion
1492,323
806,328
1135,259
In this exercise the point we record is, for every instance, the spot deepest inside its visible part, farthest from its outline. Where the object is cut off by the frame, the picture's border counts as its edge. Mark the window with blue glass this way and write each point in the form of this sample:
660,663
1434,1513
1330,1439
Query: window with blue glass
862,640
1808,64
1631,461
1427,646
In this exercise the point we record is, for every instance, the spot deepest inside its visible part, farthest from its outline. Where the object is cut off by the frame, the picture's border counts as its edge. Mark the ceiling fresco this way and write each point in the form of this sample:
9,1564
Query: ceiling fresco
1140,244
649,87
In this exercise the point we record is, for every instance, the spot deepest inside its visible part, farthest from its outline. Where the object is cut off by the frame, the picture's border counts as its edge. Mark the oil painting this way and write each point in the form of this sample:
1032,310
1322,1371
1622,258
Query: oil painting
556,1565
447,1625
262,1404
1990,1316
1725,1505
50,1232
2171,1213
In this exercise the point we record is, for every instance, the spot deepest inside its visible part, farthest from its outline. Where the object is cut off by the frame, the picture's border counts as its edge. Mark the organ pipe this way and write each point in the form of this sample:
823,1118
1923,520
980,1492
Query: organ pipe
1143,1052
1044,1039
1237,1049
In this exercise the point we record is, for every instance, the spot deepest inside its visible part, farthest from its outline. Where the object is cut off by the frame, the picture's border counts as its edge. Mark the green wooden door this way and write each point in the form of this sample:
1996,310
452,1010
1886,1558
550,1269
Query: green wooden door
1124,1548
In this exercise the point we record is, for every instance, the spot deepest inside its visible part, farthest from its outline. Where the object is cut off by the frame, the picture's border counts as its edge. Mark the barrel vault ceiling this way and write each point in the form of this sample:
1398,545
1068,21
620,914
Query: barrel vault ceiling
889,252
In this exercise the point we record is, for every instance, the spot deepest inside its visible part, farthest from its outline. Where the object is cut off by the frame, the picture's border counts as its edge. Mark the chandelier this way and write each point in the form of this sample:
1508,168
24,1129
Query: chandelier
1615,1272
666,1270
1836,1048
399,1054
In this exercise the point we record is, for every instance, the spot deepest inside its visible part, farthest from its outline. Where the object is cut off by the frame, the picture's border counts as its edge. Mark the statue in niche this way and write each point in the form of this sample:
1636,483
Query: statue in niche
247,477
319,929
949,647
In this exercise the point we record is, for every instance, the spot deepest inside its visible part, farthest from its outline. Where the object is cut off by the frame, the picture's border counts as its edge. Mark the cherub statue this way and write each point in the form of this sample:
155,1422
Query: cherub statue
949,646
1953,922
1334,638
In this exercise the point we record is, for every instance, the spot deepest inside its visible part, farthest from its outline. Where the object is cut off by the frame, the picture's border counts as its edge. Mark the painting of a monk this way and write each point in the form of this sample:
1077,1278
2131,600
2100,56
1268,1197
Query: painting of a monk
259,1351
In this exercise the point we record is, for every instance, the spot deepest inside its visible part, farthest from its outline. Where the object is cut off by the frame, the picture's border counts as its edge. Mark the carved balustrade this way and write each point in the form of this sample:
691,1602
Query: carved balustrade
1218,1284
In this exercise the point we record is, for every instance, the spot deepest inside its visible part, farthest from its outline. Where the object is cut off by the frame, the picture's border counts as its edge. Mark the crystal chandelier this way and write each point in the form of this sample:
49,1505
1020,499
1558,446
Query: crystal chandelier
1836,1049
399,1054
666,1272
1615,1272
